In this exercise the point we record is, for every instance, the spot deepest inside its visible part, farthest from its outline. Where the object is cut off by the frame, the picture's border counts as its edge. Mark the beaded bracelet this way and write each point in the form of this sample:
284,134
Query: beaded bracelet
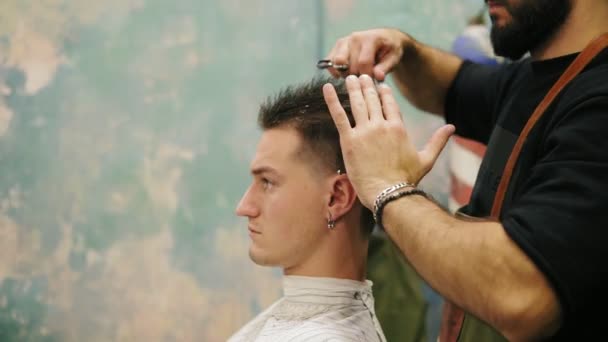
391,197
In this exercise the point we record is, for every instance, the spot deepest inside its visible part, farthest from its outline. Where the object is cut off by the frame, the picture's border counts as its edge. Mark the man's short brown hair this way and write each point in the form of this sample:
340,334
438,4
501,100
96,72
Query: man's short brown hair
303,108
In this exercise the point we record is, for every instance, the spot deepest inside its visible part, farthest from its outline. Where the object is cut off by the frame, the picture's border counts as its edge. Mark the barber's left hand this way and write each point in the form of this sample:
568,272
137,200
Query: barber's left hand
377,150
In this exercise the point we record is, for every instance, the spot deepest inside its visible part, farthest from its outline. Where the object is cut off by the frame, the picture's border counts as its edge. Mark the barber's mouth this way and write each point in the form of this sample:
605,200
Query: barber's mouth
494,4
253,231
494,8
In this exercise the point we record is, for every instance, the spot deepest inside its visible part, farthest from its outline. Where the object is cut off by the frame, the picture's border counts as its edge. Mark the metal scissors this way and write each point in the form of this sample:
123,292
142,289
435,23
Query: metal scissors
326,63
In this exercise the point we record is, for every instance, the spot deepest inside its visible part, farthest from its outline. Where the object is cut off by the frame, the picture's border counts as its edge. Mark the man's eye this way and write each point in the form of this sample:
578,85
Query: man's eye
266,183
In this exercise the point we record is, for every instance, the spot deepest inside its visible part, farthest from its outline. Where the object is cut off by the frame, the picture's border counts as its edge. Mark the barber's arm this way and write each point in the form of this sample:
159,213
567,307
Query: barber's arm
422,73
473,264
477,266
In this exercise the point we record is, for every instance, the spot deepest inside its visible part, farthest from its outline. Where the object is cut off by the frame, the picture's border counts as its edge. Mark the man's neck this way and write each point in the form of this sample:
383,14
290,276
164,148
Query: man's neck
342,256
586,22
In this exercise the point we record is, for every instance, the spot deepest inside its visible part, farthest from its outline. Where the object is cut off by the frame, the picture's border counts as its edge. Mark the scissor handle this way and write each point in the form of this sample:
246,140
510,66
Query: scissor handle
326,63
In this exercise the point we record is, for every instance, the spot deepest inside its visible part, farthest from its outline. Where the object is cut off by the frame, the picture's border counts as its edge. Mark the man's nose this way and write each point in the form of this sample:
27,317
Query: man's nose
247,206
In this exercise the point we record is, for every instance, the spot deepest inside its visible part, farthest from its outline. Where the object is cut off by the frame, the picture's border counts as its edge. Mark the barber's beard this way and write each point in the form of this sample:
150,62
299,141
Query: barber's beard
533,23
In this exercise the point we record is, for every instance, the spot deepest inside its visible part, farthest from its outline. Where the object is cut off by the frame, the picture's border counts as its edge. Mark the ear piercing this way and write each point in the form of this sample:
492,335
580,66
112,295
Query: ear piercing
331,223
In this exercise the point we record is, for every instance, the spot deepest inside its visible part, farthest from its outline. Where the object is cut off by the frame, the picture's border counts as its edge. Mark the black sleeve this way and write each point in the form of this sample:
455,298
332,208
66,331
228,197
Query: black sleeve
560,220
472,99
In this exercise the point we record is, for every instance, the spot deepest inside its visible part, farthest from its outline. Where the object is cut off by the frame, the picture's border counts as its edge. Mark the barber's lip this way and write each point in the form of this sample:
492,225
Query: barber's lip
494,5
253,231
495,9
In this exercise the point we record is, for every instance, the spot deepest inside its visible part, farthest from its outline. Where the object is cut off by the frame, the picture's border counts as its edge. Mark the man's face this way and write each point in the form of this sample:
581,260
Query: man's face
286,203
519,26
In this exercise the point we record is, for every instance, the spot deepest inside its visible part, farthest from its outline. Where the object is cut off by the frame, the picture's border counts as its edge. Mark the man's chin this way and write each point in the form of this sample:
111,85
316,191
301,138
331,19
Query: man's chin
261,260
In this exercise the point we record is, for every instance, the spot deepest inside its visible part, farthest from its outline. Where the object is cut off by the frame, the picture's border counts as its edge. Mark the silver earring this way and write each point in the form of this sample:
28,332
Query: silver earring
331,223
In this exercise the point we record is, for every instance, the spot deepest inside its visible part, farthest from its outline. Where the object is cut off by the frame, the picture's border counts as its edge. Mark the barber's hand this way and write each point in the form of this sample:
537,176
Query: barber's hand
373,52
377,151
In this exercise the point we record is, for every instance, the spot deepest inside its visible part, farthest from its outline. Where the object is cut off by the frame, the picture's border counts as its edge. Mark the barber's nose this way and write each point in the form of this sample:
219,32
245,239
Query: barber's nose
247,206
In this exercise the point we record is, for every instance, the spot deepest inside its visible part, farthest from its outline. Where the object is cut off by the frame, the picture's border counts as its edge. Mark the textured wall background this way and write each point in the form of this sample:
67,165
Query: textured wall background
126,128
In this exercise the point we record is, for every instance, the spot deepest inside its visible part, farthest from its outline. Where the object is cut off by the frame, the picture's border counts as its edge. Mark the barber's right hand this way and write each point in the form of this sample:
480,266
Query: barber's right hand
373,52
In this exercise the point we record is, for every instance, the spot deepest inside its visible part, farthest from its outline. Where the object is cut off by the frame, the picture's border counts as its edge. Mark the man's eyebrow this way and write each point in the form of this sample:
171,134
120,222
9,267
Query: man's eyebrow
263,169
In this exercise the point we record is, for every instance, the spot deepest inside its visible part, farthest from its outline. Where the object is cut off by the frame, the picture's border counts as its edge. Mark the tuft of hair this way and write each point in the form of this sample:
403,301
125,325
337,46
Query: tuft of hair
302,107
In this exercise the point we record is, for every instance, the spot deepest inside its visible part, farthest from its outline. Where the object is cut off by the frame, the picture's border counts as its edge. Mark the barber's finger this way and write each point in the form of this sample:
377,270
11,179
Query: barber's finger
335,109
340,55
353,63
357,101
386,62
331,56
374,106
390,108
367,57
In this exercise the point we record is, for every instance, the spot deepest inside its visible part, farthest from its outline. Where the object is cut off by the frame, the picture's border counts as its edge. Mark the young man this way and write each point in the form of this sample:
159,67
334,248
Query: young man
305,217
538,270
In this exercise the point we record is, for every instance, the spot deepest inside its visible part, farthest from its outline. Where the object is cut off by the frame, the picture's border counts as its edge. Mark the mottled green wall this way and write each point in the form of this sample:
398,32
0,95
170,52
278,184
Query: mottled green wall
126,127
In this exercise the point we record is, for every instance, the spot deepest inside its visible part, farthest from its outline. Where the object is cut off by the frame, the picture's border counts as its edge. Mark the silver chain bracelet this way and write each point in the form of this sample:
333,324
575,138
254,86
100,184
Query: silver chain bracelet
386,192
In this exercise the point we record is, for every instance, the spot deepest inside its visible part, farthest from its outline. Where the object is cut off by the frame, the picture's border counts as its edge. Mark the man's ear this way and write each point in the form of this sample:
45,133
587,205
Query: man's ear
343,197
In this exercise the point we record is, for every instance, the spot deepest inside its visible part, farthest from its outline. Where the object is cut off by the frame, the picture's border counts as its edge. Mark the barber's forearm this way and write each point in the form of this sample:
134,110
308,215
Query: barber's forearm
425,74
476,266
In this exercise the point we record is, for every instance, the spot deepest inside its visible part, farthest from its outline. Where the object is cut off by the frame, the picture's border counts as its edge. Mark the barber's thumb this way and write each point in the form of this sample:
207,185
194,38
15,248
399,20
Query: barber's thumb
441,136
437,143
385,66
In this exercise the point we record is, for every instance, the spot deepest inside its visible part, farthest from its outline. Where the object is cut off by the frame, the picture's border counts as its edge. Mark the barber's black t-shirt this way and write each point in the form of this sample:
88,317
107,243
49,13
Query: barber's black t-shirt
556,207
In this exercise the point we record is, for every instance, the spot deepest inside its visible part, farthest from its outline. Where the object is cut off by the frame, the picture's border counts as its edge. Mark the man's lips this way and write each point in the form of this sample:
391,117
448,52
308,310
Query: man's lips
253,231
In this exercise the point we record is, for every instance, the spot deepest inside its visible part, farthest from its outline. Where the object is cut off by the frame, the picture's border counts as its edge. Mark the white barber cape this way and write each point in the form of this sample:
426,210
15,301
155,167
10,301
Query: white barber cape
314,310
